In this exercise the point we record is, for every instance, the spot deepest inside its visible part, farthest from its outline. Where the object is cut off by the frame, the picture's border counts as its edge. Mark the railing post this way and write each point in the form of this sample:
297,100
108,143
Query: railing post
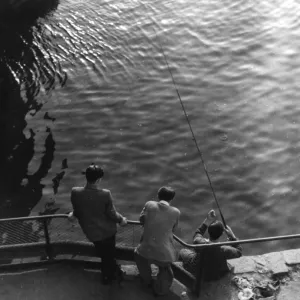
133,236
47,238
200,273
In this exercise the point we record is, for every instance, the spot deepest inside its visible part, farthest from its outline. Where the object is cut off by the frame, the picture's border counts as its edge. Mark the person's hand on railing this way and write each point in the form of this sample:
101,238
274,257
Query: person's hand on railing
71,217
123,222
230,234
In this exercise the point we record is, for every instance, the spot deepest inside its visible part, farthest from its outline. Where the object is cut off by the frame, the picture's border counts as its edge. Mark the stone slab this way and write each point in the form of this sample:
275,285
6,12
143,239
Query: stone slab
179,289
290,291
276,263
25,260
86,258
131,271
17,261
30,259
244,264
261,264
292,257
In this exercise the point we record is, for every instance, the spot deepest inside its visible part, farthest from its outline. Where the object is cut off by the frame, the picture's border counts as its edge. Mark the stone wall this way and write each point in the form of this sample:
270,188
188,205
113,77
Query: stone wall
280,269
275,263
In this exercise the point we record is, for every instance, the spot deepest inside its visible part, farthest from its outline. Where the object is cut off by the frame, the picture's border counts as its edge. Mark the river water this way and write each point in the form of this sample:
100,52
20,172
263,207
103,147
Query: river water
88,83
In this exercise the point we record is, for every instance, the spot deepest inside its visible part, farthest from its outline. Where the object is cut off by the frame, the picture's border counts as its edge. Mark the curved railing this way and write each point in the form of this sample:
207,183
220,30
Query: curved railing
42,217
46,219
50,236
247,241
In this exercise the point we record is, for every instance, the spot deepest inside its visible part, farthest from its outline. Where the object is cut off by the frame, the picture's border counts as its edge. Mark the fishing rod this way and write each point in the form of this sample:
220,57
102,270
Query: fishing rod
191,129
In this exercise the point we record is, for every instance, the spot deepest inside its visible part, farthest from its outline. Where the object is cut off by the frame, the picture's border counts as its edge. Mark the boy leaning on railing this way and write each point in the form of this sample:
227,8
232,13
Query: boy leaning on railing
97,216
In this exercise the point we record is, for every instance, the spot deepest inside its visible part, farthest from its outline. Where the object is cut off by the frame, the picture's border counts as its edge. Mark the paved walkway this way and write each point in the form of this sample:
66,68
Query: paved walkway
64,282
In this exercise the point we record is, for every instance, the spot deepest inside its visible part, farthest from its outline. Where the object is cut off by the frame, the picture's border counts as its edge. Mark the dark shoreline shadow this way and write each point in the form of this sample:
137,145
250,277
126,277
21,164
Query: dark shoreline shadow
19,56
23,70
25,12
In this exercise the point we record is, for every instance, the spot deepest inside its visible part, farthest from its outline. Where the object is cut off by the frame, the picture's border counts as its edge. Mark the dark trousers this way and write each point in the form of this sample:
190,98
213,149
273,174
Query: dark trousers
106,250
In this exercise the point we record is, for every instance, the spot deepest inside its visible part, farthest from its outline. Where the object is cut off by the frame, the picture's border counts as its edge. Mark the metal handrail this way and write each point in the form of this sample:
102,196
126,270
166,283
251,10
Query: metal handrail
51,252
229,243
199,246
35,218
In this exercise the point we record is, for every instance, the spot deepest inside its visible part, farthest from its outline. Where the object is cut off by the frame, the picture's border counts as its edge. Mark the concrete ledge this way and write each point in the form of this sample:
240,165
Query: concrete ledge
261,264
258,268
276,263
244,264
131,271
292,257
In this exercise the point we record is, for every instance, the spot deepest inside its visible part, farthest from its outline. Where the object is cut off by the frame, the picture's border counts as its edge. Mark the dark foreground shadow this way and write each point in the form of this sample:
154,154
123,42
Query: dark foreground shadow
25,11
26,66
58,281
23,71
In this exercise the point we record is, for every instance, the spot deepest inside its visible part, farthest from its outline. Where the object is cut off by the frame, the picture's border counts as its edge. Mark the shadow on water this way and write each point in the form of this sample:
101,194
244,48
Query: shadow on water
25,68
25,12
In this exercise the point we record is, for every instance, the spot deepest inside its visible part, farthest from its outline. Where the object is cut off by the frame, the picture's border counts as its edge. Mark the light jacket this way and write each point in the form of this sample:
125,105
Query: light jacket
159,220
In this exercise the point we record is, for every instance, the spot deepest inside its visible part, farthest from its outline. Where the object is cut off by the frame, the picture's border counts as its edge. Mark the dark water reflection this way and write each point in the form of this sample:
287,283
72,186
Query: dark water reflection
24,71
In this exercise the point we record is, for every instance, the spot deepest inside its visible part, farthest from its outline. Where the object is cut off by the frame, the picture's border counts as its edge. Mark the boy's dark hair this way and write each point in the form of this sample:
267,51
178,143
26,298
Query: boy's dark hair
166,193
215,230
93,172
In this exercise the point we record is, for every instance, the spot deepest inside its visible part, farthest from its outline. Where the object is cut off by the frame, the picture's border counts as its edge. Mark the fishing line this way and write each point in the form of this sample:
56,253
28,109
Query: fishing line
191,129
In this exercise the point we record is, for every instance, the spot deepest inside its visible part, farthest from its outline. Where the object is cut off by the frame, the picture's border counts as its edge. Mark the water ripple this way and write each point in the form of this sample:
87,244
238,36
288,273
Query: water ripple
99,69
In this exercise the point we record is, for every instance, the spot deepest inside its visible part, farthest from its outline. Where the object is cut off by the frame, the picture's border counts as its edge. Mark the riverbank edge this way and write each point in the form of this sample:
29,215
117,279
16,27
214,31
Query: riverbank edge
25,12
283,266
17,5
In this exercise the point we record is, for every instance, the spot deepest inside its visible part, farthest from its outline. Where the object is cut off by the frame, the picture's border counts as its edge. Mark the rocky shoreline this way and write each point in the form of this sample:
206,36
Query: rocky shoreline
272,276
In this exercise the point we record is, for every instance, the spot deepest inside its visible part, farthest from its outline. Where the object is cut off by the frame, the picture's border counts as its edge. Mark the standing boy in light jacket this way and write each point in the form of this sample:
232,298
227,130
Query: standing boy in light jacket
157,245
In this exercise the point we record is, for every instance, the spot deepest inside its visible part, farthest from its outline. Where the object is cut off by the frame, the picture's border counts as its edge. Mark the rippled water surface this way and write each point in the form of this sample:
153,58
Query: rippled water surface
92,85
